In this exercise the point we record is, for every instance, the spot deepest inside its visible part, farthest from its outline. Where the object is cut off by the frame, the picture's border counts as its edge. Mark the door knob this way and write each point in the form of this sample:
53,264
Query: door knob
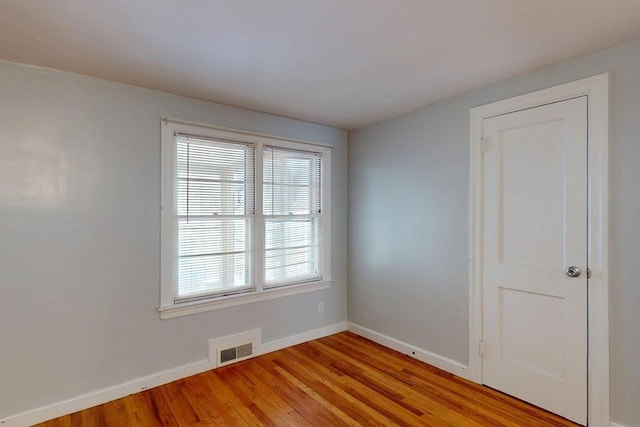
573,271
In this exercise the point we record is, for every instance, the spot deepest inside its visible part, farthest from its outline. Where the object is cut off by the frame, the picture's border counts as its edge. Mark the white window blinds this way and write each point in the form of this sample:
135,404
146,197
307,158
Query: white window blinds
215,209
292,207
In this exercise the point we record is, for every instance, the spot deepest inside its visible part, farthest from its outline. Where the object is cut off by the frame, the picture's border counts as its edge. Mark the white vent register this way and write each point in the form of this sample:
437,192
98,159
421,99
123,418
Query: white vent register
234,348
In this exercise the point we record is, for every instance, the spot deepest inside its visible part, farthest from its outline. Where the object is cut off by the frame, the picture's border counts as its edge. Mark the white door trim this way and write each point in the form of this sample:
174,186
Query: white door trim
596,89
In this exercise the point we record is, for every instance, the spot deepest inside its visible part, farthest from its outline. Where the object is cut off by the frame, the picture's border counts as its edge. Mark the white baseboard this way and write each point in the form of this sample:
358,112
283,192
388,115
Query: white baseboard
300,338
108,394
433,359
614,424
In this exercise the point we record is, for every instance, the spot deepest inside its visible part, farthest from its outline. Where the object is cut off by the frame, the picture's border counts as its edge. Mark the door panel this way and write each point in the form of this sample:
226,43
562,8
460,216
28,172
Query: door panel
520,341
534,227
526,151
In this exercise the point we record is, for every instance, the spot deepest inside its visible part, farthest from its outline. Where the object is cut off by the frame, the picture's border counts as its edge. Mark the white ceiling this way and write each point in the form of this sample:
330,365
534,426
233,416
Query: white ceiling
340,63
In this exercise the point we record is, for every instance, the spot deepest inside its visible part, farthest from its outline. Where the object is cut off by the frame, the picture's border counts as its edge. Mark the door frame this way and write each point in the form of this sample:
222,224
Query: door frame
596,89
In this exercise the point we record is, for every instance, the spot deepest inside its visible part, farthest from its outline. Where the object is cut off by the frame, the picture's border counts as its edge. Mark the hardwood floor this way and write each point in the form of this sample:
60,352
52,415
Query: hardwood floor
340,380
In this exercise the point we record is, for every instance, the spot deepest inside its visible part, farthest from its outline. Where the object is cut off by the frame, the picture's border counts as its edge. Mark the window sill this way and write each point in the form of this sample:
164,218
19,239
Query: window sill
188,308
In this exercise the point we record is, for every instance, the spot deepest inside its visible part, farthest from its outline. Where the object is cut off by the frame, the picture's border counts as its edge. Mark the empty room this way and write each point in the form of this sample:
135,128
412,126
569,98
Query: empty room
320,213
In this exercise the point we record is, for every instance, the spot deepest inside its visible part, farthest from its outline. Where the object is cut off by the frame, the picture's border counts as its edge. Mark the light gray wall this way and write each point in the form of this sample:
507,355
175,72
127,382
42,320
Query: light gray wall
80,237
409,215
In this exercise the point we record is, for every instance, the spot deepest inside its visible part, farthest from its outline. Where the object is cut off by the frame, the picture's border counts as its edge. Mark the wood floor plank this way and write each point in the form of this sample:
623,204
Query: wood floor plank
440,397
400,394
301,397
270,407
340,380
139,409
224,407
332,387
209,410
363,391
115,413
328,391
435,381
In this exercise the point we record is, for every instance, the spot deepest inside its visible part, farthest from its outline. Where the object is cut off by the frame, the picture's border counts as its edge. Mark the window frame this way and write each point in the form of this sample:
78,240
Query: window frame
283,218
169,307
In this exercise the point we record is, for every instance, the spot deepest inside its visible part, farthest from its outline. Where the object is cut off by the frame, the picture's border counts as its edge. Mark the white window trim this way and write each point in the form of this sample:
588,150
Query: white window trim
168,241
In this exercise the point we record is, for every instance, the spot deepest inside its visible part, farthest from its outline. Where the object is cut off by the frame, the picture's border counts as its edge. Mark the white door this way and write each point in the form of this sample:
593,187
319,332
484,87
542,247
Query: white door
534,231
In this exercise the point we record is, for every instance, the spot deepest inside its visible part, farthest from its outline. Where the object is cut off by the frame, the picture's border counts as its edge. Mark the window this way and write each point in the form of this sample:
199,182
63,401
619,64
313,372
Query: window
292,208
214,210
244,217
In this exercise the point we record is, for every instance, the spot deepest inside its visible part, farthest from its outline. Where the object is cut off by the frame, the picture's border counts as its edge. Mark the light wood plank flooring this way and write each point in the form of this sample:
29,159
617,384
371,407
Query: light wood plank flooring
341,380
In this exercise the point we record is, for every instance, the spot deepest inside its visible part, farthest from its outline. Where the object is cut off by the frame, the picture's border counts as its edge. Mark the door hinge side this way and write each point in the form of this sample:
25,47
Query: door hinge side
481,348
483,145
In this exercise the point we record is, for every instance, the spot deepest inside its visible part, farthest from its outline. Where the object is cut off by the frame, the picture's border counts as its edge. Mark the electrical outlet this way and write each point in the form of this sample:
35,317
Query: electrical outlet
320,307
